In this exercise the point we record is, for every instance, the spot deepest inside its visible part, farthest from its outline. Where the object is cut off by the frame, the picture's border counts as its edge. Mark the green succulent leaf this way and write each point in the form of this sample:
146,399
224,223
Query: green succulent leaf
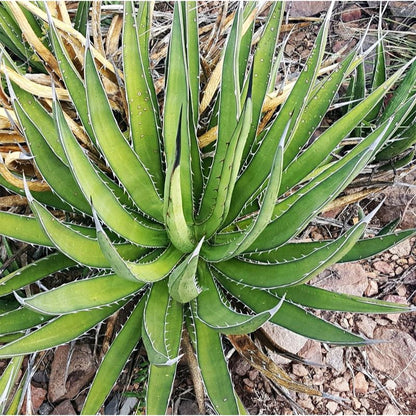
183,172
295,270
250,181
402,92
162,326
379,74
249,236
81,18
23,228
362,249
291,316
293,213
79,247
315,110
119,155
262,67
145,272
35,271
314,297
105,203
178,236
114,360
182,284
20,319
218,193
82,295
159,388
8,380
44,122
233,128
178,193
211,308
73,81
327,141
57,331
55,173
214,369
143,114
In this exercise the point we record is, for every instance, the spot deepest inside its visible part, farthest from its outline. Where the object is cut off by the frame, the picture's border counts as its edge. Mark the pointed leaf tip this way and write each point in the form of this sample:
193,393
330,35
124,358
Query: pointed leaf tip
27,191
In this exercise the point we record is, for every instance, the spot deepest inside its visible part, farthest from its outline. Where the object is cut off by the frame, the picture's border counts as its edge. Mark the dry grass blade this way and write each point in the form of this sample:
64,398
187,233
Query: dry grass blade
69,31
8,136
96,27
261,362
31,37
35,185
34,88
346,200
12,201
63,12
215,78
113,35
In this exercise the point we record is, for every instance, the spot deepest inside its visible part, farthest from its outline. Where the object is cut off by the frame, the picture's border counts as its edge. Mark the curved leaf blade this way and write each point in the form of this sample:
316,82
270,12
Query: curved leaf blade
82,295
317,298
20,319
211,309
162,326
119,155
144,272
58,331
105,203
291,316
114,361
34,271
144,116
294,271
214,369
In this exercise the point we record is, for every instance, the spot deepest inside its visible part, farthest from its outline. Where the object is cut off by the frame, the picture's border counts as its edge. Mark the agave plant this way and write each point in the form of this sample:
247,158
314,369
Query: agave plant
193,238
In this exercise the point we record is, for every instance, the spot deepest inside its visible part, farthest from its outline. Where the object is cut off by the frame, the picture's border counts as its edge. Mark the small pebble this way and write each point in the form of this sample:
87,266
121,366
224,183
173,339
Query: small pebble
390,384
252,374
398,271
248,382
299,370
340,384
390,410
332,407
360,383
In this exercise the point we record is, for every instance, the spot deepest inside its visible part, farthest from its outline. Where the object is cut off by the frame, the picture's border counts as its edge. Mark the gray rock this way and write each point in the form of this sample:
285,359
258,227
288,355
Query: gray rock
242,367
403,8
45,408
403,249
307,8
396,358
112,408
349,278
312,351
390,410
286,339
366,325
67,380
400,202
188,408
335,358
128,405
340,384
64,408
360,383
